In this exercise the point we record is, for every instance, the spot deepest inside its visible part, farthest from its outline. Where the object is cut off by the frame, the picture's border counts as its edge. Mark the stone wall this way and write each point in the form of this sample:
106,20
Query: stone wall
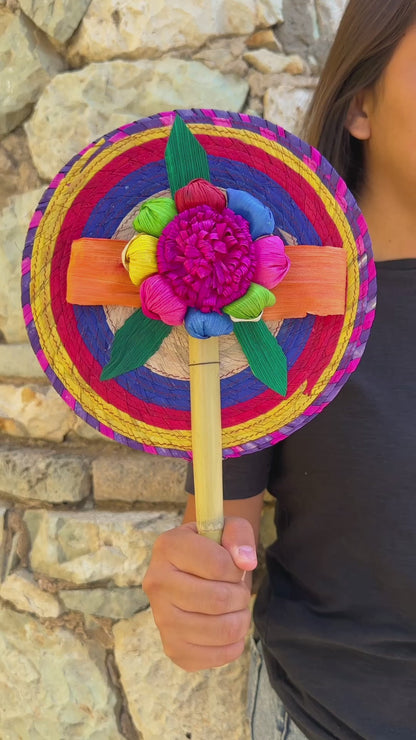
79,654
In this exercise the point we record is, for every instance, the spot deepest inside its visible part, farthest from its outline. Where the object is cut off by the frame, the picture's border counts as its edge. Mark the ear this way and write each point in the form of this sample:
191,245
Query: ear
358,120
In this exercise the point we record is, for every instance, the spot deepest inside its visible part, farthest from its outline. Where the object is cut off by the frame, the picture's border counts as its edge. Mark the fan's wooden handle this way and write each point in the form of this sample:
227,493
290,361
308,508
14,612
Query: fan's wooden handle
204,365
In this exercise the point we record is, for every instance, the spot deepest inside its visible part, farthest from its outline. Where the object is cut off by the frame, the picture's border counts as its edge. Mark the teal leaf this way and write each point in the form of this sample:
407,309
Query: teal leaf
265,356
185,158
137,340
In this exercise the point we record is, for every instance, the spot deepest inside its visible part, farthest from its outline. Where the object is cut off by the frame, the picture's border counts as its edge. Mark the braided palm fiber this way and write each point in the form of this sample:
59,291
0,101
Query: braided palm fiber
97,194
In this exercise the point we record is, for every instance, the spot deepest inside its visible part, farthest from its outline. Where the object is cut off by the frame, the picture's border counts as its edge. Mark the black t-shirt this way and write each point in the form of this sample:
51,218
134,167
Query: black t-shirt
337,612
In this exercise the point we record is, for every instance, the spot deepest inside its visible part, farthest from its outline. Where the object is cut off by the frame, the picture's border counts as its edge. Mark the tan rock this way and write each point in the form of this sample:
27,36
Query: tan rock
124,28
83,430
180,704
19,361
21,590
14,221
92,546
37,411
264,39
77,107
125,475
36,474
52,684
27,62
224,55
286,106
260,83
59,20
270,63
269,12
114,603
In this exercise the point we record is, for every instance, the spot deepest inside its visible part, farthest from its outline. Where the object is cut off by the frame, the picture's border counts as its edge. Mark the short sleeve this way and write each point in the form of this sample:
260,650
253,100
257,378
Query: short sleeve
243,477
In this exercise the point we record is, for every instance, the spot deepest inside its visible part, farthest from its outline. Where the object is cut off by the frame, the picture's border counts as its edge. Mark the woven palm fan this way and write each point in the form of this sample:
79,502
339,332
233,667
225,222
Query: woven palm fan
198,284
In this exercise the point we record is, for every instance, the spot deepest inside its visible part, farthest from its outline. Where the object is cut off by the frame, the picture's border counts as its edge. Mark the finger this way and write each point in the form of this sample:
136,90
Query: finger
215,631
239,540
191,553
192,594
200,658
204,630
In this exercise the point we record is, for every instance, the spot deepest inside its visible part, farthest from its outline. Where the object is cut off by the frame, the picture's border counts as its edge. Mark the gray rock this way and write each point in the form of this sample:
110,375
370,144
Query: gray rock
114,603
14,221
17,172
300,28
93,546
77,107
164,712
125,475
43,475
58,19
309,28
286,106
52,684
329,15
27,62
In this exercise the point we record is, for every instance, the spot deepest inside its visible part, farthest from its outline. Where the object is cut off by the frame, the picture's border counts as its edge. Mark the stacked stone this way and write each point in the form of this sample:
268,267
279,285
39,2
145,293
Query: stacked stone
79,653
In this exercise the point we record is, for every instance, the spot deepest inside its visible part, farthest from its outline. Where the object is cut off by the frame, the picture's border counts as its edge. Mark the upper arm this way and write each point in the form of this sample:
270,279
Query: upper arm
247,508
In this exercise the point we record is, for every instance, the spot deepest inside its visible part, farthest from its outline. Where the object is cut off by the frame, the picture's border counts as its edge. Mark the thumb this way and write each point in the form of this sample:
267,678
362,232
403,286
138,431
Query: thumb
238,539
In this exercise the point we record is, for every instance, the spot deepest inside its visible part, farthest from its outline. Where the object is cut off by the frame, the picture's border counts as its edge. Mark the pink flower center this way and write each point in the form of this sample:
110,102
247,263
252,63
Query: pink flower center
207,257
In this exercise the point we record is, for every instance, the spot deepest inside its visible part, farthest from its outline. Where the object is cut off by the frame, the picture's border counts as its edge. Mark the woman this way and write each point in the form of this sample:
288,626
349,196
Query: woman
336,617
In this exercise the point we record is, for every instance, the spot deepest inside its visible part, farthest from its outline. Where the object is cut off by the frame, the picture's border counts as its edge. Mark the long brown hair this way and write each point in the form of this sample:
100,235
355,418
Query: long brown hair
366,39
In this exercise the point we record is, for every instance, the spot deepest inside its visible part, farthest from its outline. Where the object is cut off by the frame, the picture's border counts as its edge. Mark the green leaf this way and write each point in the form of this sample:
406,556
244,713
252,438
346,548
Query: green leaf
265,356
137,340
185,158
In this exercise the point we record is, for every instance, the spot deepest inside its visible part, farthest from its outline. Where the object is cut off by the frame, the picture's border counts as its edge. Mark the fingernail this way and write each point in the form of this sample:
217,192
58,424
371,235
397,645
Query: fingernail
247,553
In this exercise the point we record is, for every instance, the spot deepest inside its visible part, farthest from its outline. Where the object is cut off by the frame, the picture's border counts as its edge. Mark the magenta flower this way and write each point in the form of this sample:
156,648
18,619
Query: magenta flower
207,257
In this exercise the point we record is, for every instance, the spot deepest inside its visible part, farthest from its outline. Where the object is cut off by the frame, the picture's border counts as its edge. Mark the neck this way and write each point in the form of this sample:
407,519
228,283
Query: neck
391,220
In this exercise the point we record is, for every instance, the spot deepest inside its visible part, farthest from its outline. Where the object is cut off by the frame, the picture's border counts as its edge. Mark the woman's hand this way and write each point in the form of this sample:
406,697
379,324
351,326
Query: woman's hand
198,594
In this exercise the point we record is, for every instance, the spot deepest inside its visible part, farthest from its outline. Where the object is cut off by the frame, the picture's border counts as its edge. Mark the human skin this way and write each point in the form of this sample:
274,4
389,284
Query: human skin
384,118
199,602
200,591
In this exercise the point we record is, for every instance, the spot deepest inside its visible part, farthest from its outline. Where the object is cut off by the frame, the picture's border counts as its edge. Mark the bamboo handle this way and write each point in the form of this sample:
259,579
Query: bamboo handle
204,366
